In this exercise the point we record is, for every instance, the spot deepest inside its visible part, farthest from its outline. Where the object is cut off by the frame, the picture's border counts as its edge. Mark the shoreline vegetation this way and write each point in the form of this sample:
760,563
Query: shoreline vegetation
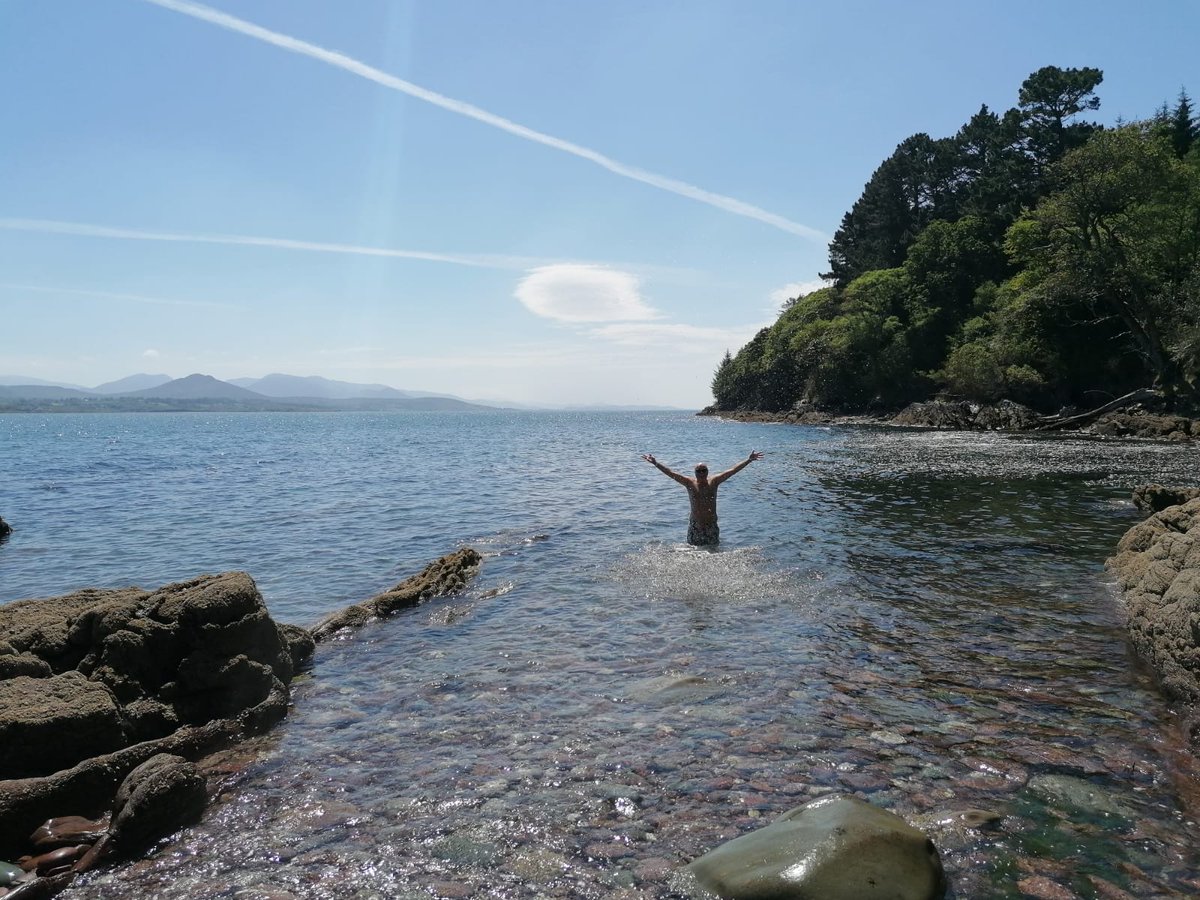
1033,257
1134,421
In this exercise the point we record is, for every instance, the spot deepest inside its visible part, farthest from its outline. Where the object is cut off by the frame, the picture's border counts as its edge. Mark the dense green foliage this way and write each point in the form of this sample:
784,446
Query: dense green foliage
1031,256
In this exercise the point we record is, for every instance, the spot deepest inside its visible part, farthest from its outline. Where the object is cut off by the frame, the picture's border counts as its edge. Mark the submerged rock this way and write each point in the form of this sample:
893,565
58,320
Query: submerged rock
443,576
834,848
1158,566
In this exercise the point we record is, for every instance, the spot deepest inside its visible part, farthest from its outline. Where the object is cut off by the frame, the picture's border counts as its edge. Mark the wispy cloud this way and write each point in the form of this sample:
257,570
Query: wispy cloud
459,107
111,295
498,261
679,337
151,354
577,293
240,240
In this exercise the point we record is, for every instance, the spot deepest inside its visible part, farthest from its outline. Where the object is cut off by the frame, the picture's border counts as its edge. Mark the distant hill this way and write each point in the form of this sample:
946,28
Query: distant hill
314,386
26,380
40,392
140,382
203,393
197,387
384,404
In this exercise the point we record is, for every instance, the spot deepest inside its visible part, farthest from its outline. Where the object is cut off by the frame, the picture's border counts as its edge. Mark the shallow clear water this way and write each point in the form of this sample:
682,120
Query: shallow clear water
919,617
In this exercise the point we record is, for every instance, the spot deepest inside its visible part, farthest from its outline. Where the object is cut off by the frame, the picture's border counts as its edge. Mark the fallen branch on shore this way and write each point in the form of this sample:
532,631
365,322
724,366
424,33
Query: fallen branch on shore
1053,423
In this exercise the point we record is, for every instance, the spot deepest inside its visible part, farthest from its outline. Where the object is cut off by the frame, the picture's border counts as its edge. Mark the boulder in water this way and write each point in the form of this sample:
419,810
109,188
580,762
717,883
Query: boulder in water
1158,566
834,848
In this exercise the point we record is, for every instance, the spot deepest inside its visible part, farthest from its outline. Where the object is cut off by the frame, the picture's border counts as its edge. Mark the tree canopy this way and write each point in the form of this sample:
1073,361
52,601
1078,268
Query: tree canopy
1032,255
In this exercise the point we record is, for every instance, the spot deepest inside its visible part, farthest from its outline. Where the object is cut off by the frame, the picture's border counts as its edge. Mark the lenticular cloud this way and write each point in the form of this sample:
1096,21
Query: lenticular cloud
582,293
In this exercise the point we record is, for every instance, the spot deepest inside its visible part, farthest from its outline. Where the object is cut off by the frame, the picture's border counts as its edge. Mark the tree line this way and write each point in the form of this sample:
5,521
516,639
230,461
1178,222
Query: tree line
1033,256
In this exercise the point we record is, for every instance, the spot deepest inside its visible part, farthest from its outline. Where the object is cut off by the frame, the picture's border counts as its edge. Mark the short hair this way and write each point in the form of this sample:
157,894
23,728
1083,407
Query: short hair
701,467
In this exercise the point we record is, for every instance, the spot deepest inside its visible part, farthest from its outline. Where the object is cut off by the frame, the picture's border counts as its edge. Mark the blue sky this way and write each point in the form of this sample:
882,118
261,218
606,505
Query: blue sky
545,202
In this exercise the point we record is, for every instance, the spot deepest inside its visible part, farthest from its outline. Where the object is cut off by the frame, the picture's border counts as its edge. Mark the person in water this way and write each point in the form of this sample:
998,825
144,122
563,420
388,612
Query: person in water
702,492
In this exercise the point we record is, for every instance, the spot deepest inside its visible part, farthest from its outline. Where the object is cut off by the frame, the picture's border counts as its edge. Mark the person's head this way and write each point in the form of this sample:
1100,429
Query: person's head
702,471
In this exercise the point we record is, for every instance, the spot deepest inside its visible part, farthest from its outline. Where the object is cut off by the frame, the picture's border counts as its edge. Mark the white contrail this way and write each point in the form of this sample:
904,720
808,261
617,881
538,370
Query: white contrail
132,234
498,261
341,61
110,295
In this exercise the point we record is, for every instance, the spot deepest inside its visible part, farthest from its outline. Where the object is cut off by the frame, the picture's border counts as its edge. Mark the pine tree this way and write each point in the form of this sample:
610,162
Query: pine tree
1183,127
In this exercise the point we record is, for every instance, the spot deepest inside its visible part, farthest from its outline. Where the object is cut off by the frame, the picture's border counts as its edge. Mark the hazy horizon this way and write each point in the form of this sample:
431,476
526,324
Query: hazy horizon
17,380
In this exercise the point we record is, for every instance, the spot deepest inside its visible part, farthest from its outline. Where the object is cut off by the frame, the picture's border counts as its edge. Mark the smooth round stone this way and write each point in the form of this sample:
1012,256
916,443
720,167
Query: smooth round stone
836,848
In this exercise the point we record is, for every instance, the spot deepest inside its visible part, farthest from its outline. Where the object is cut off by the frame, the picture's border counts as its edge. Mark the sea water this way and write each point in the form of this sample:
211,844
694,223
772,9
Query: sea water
918,617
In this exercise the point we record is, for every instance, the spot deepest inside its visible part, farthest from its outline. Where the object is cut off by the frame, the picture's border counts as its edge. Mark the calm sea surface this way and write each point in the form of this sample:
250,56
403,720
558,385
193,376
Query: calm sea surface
918,617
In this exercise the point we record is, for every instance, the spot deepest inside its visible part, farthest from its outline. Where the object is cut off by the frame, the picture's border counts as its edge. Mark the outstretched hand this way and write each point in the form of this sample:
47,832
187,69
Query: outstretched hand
755,454
649,457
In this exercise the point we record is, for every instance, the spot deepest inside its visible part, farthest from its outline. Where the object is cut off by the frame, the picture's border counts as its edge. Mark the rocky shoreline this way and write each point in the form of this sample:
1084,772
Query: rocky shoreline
109,697
1133,422
1157,565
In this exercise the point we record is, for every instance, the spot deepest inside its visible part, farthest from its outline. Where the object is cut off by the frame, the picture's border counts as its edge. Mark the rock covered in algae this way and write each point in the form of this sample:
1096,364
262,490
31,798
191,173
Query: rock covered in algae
97,670
836,847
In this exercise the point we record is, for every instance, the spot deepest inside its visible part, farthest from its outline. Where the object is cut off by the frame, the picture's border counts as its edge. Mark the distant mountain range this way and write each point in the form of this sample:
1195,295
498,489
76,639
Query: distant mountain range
155,393
144,392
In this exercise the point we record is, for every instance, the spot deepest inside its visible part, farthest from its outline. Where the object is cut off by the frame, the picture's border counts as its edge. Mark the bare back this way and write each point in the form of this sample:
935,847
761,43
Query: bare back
703,497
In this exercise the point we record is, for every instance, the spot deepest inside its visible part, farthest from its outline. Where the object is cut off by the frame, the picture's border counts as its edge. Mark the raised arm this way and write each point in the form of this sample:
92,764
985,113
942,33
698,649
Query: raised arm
682,479
729,473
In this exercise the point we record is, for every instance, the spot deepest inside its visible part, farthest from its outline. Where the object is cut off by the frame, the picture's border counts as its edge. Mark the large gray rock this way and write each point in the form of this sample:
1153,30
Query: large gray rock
963,415
1144,424
186,670
1158,567
99,669
93,683
834,848
89,787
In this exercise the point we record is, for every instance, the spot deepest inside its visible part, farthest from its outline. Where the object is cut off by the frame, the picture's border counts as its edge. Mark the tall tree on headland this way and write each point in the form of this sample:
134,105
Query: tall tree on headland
1047,100
1183,127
